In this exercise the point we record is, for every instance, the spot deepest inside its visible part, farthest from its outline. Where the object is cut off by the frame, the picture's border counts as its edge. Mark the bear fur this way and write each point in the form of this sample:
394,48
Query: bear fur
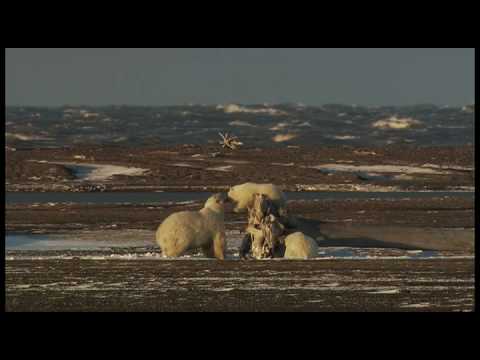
299,246
243,195
204,229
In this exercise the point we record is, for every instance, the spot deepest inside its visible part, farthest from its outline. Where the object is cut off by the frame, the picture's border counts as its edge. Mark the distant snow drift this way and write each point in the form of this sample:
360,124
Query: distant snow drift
395,123
233,109
241,123
328,125
24,137
284,137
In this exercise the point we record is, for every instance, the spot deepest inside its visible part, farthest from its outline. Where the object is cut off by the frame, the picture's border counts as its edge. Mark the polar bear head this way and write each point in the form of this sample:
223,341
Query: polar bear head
241,195
216,202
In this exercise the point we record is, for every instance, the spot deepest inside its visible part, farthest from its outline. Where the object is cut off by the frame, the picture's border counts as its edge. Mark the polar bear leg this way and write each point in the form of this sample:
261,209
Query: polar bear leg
207,251
219,246
176,246
246,246
173,251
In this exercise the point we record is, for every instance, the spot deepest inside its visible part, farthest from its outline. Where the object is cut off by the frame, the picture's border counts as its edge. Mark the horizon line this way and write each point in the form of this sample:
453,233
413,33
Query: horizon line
235,103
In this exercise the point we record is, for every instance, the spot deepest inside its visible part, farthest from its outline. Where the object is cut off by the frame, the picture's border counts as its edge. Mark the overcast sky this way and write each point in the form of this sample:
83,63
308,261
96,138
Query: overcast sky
179,76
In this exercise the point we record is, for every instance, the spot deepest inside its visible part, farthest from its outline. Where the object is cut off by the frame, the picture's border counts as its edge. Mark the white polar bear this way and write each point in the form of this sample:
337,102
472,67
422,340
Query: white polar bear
188,230
243,195
300,246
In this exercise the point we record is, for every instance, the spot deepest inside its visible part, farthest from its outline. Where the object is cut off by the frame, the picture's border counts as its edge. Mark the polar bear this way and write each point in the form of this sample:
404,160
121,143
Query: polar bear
243,195
188,230
300,246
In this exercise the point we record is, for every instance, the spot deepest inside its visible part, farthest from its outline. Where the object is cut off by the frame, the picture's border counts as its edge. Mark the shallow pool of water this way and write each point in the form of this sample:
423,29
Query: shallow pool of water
159,197
44,245
48,242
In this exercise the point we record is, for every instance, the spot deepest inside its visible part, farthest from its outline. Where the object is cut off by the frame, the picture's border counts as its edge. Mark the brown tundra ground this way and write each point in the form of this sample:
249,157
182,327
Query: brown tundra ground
124,279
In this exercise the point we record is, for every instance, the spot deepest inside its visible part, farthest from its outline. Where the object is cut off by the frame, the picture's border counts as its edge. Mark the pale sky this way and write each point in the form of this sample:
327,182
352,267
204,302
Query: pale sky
176,76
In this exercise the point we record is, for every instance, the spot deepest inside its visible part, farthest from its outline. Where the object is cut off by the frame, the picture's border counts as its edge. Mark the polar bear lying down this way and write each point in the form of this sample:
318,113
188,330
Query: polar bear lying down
187,230
299,246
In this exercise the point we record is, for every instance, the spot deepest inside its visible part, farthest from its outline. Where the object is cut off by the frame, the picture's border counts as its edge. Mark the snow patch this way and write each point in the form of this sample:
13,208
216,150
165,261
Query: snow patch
105,172
345,137
234,109
183,165
284,137
305,124
241,123
396,123
386,292
420,305
24,137
279,126
221,168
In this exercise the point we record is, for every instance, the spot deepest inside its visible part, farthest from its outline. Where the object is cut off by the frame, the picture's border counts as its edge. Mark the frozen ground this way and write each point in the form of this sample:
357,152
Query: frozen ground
258,124
140,245
329,285
125,271
96,172
103,258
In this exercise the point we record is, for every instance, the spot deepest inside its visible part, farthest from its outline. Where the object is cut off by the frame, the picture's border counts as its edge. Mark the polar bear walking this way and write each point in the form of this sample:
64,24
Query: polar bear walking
188,230
243,195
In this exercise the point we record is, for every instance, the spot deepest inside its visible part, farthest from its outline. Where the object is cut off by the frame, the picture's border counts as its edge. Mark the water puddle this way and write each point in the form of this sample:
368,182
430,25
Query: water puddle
42,246
160,197
34,242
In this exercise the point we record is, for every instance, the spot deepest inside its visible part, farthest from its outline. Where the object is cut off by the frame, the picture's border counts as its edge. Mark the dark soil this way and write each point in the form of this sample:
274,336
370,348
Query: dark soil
236,286
249,164
435,212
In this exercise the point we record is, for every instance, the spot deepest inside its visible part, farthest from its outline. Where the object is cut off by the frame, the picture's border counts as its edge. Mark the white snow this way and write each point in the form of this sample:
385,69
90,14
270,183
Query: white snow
282,164
97,172
284,137
24,137
221,168
345,137
386,292
305,124
449,167
241,123
105,172
420,305
396,123
234,109
183,165
280,126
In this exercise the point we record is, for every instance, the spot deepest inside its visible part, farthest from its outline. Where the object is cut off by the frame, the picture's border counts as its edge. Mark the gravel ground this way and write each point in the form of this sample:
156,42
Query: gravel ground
202,285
